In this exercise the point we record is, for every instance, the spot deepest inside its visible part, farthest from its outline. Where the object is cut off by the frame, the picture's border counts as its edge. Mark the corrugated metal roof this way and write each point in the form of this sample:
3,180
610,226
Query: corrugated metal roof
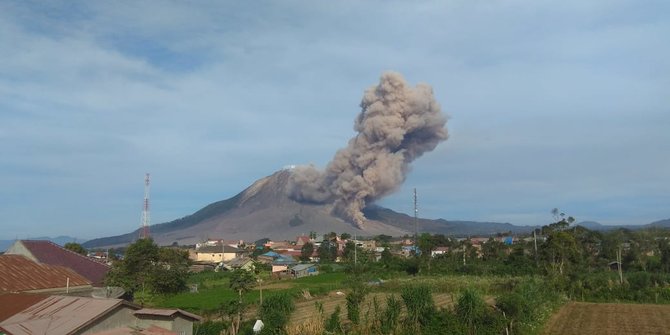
18,274
12,303
57,315
166,312
301,267
47,252
151,330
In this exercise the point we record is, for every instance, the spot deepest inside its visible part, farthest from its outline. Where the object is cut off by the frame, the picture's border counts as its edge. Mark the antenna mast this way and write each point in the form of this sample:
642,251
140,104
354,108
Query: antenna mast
144,231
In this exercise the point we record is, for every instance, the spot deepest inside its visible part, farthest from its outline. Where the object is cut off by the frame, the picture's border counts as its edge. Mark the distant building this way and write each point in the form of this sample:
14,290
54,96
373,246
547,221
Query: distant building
217,254
439,251
304,270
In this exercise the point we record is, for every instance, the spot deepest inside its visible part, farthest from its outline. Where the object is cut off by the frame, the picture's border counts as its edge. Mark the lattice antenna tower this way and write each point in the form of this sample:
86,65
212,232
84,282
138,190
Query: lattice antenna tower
146,217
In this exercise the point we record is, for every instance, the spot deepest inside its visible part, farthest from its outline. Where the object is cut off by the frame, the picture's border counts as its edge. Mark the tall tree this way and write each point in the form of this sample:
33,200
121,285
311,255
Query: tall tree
146,267
306,251
76,247
241,281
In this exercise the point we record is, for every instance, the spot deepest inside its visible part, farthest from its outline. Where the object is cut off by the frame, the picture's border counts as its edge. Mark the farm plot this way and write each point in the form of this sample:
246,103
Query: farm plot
596,318
306,310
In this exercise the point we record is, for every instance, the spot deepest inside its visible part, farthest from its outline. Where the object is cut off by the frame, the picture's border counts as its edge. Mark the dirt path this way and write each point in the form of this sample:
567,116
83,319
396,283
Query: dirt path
590,318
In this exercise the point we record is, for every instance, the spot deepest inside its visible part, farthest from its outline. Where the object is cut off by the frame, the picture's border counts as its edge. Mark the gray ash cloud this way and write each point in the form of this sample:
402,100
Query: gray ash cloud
397,124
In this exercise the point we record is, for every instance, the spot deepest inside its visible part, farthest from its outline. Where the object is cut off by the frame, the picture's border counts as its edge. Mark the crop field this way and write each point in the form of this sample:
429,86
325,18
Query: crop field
597,318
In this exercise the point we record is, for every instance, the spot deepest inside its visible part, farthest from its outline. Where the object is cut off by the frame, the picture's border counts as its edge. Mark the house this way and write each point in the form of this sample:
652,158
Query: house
439,251
80,315
281,265
217,254
21,274
237,263
49,253
268,257
304,270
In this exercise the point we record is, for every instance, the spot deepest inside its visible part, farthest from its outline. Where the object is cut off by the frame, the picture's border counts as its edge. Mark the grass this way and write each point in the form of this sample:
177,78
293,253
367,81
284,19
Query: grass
213,290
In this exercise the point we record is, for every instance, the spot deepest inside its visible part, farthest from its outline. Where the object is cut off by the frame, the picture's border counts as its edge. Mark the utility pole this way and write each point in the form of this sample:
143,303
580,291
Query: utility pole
618,260
535,241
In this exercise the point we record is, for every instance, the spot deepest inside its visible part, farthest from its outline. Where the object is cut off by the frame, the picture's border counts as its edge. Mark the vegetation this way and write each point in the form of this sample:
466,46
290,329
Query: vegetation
76,247
146,268
494,286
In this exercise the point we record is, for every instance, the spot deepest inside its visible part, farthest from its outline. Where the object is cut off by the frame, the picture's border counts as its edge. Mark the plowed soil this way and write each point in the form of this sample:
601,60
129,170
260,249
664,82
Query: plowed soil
591,318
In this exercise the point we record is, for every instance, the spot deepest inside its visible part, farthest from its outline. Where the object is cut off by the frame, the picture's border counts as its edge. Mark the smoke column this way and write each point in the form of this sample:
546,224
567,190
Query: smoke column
397,124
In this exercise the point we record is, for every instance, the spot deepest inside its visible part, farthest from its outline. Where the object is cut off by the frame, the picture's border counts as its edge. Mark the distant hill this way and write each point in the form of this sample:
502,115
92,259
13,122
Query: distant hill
60,240
265,210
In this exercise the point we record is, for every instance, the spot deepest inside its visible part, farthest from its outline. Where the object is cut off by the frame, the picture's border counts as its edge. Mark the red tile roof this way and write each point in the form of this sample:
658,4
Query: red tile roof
12,303
47,252
18,274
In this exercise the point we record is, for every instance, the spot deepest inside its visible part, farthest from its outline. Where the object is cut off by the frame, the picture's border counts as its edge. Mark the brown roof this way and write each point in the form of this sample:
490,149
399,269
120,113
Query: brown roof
60,315
151,330
18,274
13,303
166,312
47,252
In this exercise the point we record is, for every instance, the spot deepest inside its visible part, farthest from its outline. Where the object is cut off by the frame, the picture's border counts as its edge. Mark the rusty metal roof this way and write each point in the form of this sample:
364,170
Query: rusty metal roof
47,252
18,274
57,315
12,303
167,312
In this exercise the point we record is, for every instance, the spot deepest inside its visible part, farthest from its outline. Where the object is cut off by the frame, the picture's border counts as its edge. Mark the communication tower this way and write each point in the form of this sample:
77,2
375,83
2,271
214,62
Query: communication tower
146,219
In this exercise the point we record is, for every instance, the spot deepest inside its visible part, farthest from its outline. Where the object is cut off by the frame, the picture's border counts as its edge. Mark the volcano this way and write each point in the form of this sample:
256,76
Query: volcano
265,209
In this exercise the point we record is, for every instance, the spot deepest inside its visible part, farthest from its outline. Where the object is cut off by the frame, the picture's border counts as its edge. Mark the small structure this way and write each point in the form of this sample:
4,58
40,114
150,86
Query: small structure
237,263
304,270
281,265
439,251
216,254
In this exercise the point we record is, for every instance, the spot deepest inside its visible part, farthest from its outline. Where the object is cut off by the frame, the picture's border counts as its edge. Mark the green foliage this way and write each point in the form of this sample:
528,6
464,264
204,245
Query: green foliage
209,328
306,251
333,323
327,251
146,267
419,304
76,247
241,281
275,313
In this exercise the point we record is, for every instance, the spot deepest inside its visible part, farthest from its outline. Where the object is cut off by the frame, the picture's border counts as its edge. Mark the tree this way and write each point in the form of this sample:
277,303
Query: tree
345,236
148,268
327,251
349,251
306,251
240,281
76,247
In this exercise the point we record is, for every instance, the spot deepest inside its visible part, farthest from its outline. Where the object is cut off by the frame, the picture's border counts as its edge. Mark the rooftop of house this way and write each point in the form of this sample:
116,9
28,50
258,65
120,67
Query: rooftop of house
151,330
19,274
12,303
60,315
218,249
168,313
47,252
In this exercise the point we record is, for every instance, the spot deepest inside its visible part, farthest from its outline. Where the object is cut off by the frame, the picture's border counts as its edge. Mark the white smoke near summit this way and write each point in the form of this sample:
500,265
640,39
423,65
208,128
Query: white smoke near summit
397,124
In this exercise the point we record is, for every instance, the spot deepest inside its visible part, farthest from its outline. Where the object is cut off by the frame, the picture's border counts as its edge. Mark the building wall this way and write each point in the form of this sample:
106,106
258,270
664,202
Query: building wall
120,317
178,324
215,257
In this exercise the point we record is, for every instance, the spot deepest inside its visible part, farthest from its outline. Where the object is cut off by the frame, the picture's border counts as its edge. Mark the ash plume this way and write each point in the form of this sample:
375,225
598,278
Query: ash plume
397,124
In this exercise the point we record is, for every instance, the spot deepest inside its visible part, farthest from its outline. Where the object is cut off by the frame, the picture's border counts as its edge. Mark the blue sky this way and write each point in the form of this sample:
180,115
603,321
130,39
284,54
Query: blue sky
551,104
